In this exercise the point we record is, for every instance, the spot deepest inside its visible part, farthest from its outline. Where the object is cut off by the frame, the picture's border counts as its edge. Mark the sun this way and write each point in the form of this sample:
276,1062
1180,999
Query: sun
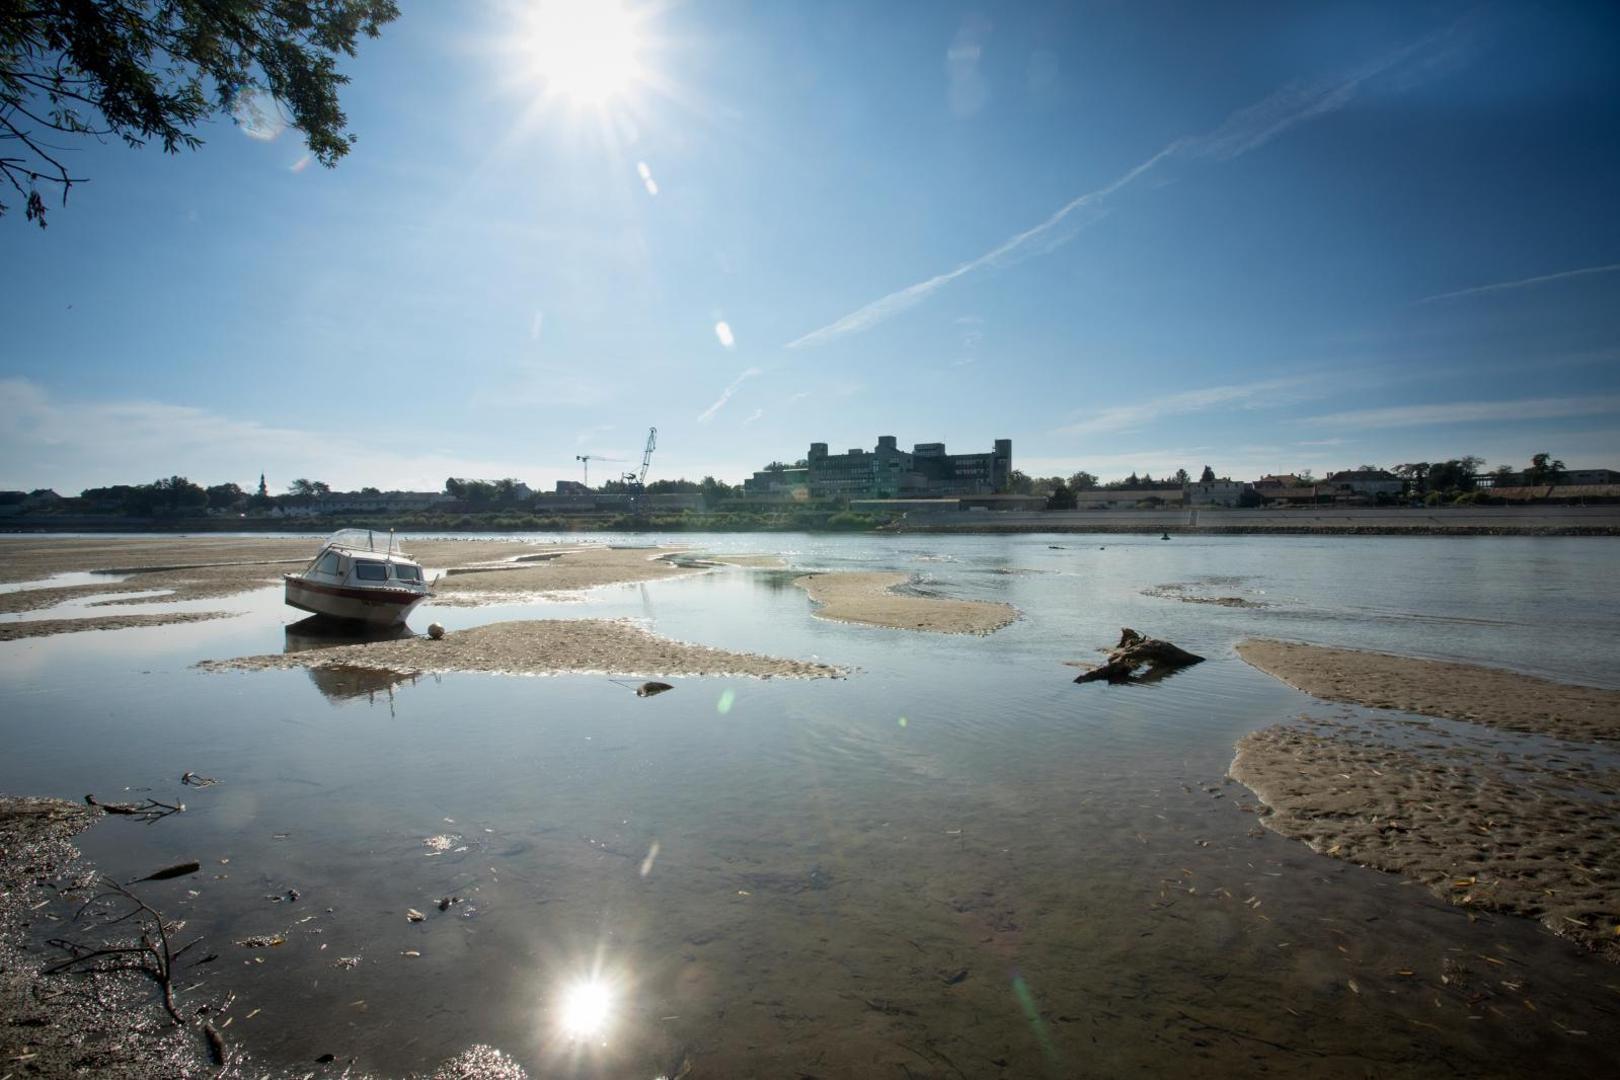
587,51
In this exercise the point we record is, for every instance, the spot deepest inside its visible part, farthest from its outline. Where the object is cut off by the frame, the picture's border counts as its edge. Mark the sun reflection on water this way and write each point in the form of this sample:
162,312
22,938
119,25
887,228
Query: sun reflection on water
586,1010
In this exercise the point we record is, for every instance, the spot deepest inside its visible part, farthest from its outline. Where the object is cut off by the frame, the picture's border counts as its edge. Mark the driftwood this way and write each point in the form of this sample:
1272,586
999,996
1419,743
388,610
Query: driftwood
652,689
149,811
1134,651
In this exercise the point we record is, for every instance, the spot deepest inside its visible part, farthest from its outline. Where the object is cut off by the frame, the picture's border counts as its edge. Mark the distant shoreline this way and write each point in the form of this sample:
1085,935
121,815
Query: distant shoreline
1350,521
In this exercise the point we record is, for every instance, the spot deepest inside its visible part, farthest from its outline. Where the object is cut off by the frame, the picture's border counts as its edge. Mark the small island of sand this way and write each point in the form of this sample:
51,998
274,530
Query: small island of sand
870,598
537,647
1487,821
544,571
1502,699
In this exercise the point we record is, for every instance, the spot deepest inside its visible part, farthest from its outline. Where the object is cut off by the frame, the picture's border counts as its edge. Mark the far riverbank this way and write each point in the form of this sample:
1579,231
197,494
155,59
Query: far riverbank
1347,521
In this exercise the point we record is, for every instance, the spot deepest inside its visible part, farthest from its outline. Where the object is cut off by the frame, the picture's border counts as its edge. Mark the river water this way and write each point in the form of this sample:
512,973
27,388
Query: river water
954,862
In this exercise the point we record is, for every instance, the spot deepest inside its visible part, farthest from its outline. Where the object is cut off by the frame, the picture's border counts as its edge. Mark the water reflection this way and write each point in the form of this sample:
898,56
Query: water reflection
339,684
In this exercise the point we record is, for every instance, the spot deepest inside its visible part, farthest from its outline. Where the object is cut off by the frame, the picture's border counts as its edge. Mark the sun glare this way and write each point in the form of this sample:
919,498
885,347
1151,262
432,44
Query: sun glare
586,1008
583,50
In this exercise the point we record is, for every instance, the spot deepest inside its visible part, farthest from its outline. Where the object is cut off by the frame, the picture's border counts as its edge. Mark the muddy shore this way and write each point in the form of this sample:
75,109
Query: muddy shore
872,599
537,647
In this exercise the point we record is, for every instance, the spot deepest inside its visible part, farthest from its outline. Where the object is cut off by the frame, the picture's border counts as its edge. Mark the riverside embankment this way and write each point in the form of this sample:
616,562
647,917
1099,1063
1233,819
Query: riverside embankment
1392,521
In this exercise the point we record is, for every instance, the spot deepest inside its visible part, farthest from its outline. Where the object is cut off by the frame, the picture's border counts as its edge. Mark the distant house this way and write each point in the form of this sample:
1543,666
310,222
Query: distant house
1215,492
1369,483
1293,495
1126,498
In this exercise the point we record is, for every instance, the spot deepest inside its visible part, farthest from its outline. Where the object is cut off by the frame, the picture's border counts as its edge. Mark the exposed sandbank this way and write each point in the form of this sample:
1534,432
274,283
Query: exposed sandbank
870,598
748,562
565,569
1483,695
188,568
537,647
1532,835
32,628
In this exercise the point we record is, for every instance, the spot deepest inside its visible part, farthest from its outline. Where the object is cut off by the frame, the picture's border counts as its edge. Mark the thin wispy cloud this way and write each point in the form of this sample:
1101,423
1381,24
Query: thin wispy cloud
1247,129
725,395
1523,283
755,415
1267,393
1468,412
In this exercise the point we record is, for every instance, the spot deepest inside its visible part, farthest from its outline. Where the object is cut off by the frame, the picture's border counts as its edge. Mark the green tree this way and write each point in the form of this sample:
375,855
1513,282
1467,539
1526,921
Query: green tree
177,495
1455,475
225,497
1207,476
1416,475
155,69
1019,483
1544,469
306,489
1061,498
1181,478
1082,481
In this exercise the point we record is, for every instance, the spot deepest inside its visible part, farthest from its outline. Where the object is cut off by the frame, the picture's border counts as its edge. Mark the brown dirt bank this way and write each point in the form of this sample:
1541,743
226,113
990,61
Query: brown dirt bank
1483,695
572,569
537,647
1535,835
32,628
870,598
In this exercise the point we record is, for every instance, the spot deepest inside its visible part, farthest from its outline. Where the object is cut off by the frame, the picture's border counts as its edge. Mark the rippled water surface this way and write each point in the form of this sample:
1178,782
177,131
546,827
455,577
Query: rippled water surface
955,862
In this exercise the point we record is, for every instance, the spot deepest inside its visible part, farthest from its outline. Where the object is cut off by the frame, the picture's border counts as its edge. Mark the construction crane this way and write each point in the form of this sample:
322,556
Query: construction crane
637,481
588,458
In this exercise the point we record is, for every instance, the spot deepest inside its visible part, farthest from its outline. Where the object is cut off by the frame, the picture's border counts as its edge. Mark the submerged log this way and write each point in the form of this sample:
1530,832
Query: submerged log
1136,650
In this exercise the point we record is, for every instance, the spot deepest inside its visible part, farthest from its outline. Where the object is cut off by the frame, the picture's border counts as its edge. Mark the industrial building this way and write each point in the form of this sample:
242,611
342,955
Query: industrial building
887,472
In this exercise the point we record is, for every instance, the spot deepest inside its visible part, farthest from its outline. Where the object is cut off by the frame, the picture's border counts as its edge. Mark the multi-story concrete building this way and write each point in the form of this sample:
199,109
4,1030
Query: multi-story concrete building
887,472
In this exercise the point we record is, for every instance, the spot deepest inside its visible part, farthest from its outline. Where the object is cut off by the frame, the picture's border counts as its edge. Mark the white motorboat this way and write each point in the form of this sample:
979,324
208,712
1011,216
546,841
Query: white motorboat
360,577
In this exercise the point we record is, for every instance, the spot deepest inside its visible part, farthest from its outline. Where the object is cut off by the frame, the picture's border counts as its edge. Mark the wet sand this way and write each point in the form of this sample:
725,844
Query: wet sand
1532,834
538,647
1481,695
15,631
870,598
187,568
749,562
554,569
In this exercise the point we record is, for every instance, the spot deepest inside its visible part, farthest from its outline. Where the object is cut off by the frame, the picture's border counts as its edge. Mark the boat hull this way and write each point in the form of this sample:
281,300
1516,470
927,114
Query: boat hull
377,606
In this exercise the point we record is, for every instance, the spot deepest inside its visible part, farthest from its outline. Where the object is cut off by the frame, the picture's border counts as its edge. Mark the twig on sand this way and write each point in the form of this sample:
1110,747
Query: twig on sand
154,950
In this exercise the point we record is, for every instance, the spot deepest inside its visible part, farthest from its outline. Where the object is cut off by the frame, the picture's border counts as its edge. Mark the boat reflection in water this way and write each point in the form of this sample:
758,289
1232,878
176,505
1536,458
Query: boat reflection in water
339,684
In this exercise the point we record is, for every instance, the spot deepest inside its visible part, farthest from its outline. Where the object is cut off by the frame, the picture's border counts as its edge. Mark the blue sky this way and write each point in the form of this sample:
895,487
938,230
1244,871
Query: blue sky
1128,236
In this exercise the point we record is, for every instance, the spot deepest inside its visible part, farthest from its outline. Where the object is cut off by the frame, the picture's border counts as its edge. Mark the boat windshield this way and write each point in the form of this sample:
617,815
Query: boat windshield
364,540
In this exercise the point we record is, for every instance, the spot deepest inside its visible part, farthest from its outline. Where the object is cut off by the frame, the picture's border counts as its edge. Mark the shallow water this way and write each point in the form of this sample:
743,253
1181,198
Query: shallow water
954,862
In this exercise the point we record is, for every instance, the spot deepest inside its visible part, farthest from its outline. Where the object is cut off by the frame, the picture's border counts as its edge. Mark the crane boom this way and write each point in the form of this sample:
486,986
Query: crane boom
646,456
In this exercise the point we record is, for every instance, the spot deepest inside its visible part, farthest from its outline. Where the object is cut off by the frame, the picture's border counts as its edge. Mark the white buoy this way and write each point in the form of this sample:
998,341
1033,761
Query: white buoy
435,631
